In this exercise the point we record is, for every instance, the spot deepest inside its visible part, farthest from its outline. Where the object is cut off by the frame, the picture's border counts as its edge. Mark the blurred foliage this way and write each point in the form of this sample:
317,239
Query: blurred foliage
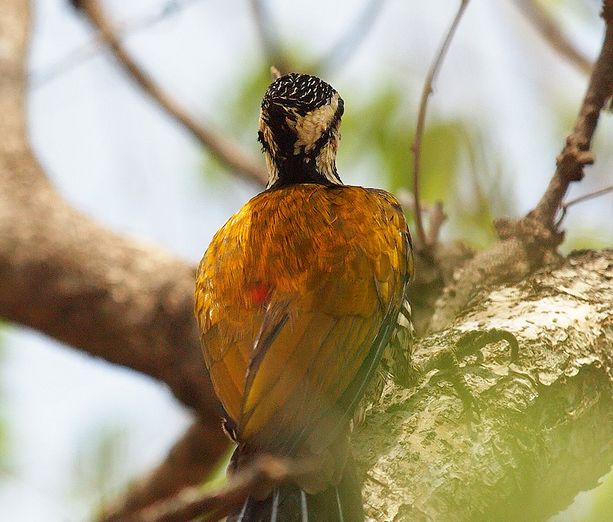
383,128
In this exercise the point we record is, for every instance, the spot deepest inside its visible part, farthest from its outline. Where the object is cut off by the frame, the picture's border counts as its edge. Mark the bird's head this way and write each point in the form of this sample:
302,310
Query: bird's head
299,130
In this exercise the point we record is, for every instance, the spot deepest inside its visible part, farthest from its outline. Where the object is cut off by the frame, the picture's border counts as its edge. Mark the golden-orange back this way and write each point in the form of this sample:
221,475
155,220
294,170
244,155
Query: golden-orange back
293,296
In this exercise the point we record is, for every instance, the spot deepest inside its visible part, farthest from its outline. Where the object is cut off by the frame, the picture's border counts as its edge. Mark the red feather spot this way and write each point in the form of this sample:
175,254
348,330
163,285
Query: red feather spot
259,293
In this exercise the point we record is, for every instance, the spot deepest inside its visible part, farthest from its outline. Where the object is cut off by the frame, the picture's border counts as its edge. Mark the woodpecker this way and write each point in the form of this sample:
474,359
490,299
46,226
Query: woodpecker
297,296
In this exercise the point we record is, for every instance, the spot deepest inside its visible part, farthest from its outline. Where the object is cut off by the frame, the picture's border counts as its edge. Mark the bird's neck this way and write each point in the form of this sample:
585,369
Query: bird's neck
303,168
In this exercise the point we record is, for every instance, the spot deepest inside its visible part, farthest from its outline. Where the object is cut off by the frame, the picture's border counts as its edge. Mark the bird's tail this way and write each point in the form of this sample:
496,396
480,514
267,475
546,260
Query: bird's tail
340,503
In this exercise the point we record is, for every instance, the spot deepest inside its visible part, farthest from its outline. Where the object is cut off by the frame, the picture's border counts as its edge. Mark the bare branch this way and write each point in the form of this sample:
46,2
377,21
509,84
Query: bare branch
576,153
437,217
586,197
421,119
226,150
275,73
188,463
553,35
265,472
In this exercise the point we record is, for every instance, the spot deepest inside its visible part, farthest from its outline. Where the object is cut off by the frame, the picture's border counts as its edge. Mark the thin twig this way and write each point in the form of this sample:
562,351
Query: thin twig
586,197
226,150
265,473
436,219
421,118
580,199
553,35
576,153
269,36
275,74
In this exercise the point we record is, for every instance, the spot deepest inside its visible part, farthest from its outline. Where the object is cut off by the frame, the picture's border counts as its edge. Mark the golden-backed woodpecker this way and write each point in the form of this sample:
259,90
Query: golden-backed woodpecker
297,296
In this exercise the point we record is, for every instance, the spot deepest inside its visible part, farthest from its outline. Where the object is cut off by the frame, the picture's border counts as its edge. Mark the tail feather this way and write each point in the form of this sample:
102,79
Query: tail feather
241,515
341,503
339,506
274,510
304,507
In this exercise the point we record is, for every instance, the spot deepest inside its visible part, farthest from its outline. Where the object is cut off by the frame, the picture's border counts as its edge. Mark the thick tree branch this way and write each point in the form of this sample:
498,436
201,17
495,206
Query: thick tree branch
223,148
66,276
546,421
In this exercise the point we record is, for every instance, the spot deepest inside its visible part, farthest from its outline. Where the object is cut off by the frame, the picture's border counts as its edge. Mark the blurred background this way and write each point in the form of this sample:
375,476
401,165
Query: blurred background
75,430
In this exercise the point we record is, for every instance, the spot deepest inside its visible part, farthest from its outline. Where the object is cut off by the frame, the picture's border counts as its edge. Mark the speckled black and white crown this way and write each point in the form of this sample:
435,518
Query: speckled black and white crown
301,92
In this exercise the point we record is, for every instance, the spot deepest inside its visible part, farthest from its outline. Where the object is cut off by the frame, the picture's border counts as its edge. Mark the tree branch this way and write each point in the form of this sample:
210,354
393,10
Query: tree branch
437,218
545,422
187,464
544,24
421,120
66,276
78,56
586,197
264,473
576,153
227,151
528,243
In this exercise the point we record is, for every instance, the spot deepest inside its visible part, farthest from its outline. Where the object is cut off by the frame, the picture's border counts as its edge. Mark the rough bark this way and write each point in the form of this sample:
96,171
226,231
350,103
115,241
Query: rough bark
546,421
